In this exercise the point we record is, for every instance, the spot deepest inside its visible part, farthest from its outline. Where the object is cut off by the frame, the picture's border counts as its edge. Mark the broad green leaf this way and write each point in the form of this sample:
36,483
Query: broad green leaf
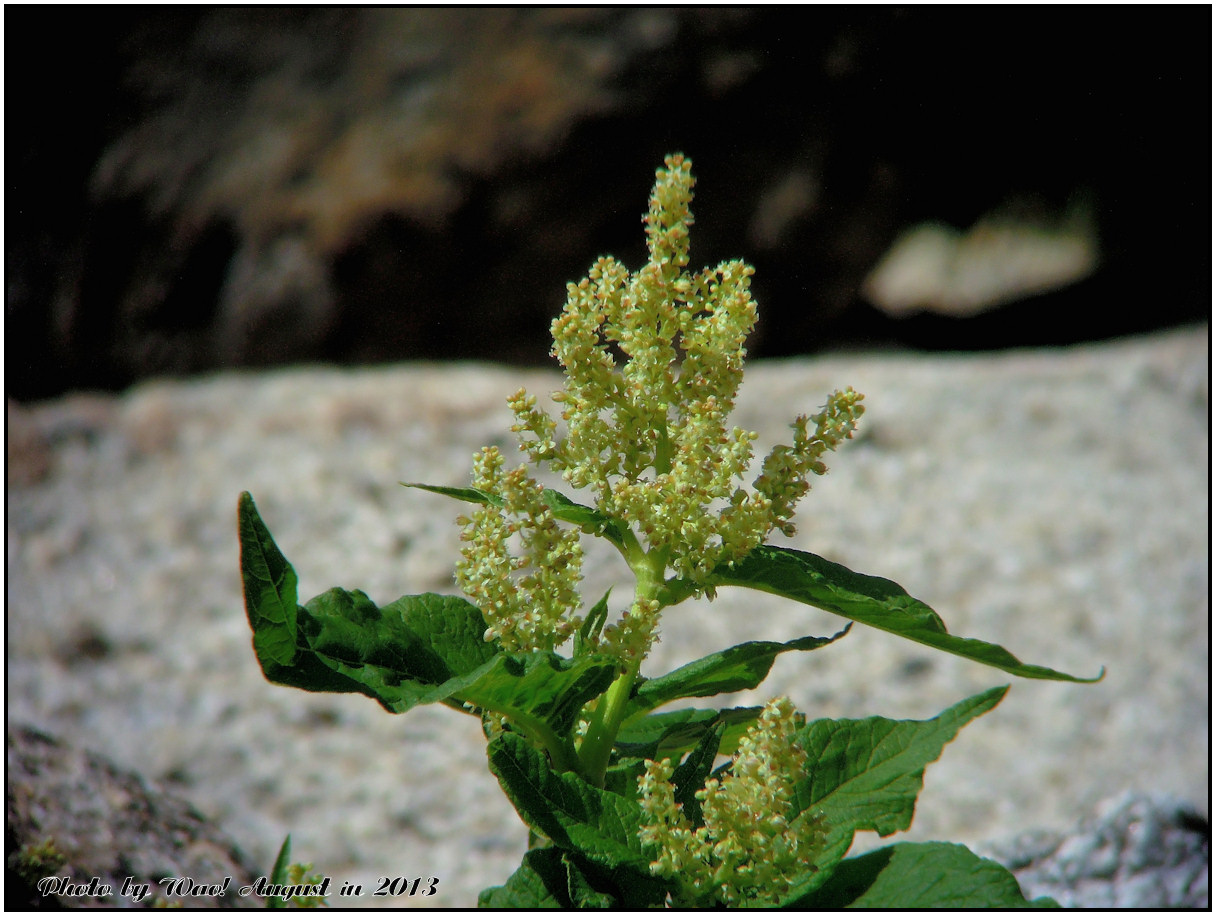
572,813
270,604
545,686
740,667
865,774
672,734
551,878
875,602
621,777
917,876
346,644
583,894
270,587
429,648
540,882
594,886
419,649
425,638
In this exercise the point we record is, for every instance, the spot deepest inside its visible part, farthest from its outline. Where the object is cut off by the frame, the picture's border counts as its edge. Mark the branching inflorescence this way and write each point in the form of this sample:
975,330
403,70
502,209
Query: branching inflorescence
648,436
753,844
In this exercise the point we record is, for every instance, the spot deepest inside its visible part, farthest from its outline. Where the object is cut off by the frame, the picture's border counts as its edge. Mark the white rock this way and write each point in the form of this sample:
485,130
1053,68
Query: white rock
1054,502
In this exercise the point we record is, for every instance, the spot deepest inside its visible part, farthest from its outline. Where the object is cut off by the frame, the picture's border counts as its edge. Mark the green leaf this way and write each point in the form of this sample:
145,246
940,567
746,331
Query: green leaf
914,876
689,777
594,886
592,521
571,812
875,602
467,494
593,623
583,894
672,734
540,882
865,774
429,648
270,604
621,777
346,644
551,878
543,685
278,874
419,649
270,587
740,667
426,640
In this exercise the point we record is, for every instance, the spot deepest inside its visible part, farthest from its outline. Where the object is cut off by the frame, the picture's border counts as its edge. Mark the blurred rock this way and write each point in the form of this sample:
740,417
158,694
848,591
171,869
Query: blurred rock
933,267
27,450
74,814
1135,852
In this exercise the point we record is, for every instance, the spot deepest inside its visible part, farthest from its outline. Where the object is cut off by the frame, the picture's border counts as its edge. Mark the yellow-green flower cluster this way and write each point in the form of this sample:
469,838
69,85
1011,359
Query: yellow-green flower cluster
525,597
752,837
783,480
653,363
299,874
648,433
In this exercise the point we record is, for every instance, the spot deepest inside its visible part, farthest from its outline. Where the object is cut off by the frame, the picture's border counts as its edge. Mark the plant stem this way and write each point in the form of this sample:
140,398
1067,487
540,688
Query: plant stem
605,723
596,748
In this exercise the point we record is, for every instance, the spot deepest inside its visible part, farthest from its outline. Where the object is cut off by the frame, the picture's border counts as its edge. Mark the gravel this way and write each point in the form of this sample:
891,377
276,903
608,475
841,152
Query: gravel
1054,502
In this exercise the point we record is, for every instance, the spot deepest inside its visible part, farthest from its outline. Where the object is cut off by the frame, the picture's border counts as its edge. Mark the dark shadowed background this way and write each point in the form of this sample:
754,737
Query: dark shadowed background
195,188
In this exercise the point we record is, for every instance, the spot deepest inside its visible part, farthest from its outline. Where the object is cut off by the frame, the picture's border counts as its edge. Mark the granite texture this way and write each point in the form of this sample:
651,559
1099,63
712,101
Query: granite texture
1135,852
1055,502
81,817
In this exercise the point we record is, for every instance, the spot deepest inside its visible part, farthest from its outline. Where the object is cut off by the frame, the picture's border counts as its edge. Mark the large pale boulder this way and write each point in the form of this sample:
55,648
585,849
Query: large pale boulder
1054,501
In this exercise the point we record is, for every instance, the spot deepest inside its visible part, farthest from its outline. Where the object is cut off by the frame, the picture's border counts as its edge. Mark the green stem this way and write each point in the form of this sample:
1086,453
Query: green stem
596,748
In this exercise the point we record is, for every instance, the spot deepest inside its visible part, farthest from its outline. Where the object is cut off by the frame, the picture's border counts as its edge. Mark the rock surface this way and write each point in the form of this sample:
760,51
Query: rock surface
1054,502
96,820
1136,852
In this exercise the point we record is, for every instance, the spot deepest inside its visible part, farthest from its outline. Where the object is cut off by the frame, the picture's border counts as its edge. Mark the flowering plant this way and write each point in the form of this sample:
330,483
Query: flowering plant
623,801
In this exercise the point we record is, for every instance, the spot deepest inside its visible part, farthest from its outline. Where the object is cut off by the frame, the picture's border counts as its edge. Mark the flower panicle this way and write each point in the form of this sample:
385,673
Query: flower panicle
783,478
653,362
752,837
526,598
